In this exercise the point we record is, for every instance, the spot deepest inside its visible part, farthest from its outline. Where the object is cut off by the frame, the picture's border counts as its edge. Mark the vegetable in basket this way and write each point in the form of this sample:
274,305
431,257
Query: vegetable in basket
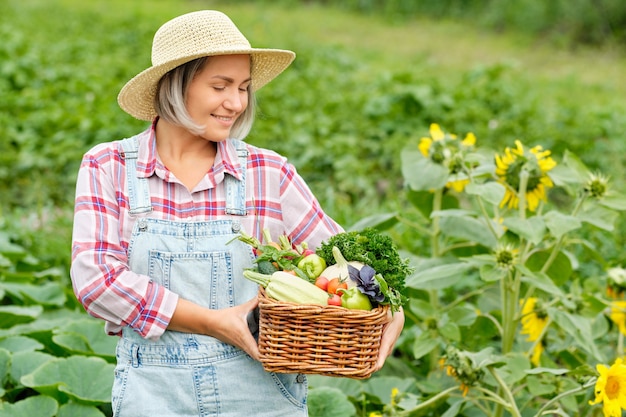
339,268
312,265
372,248
354,299
283,286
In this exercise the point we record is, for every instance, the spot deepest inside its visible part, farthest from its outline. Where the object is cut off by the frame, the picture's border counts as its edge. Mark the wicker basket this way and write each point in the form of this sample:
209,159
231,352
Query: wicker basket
323,340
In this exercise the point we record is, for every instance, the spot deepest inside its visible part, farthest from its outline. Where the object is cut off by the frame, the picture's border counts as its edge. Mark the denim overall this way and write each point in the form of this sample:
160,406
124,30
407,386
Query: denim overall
184,374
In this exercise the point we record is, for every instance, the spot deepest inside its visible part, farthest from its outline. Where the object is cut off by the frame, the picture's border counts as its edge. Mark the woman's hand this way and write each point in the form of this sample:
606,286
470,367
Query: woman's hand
230,325
391,332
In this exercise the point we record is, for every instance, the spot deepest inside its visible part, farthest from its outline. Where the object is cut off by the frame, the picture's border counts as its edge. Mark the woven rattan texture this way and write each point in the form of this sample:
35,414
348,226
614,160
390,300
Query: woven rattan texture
322,340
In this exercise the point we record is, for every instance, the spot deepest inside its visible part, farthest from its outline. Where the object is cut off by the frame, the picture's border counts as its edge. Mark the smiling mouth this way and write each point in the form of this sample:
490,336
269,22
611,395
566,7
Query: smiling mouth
223,118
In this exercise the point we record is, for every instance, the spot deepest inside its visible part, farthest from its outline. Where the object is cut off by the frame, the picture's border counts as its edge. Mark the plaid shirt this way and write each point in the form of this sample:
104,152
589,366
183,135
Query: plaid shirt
277,198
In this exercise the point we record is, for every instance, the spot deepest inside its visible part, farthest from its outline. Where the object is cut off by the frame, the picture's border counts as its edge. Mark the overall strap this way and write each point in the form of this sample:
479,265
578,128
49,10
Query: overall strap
235,189
138,191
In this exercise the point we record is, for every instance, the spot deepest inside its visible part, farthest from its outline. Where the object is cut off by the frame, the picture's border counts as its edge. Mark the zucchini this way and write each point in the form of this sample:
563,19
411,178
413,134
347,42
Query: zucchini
282,286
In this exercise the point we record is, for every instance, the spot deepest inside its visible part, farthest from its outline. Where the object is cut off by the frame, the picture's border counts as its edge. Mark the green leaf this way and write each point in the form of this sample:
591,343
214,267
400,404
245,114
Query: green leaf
88,380
329,402
560,224
538,387
491,273
579,328
350,387
5,365
599,216
560,271
552,371
422,174
514,370
617,202
381,387
469,229
36,406
73,409
424,344
572,168
48,294
20,343
463,315
422,309
450,331
23,363
532,229
11,315
86,337
377,221
438,277
540,280
491,192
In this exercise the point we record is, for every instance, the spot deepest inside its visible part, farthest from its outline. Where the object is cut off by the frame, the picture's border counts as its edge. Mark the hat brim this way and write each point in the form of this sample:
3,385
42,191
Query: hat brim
137,96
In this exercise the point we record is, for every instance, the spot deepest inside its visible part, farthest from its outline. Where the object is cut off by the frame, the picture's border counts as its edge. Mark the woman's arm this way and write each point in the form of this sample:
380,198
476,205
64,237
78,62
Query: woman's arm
229,325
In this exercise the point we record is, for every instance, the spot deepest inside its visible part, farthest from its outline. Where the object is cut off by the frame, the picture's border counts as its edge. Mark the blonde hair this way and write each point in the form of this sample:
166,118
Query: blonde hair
171,94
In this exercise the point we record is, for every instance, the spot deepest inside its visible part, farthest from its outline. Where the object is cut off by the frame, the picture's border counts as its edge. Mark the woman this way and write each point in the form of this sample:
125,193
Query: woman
156,215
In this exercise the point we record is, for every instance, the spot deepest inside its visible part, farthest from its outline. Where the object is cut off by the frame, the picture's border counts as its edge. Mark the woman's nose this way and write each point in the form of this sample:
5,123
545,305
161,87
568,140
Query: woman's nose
235,101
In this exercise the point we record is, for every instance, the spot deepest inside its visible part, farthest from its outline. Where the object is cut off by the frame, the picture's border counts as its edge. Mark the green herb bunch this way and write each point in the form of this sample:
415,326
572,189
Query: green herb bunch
373,248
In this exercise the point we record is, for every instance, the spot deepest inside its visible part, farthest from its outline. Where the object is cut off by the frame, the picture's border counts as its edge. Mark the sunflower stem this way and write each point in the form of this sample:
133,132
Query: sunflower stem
511,404
428,402
523,185
576,390
434,240
483,210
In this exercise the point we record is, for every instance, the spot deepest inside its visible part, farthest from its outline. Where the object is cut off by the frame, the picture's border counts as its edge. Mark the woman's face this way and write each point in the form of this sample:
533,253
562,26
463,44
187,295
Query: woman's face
219,94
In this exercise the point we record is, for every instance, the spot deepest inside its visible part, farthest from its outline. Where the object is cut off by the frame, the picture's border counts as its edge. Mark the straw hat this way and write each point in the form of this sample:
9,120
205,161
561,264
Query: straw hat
190,36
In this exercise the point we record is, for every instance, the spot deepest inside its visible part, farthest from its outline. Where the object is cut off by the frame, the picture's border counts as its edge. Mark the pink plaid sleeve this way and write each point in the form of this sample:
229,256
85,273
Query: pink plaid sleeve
100,276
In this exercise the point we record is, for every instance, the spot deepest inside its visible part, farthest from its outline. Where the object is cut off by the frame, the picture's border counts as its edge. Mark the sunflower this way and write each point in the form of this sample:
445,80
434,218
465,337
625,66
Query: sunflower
534,320
618,315
536,162
461,366
445,150
611,388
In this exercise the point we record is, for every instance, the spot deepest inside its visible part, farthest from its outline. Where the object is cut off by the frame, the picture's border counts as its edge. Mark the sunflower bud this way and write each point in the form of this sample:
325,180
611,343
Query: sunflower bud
597,186
506,257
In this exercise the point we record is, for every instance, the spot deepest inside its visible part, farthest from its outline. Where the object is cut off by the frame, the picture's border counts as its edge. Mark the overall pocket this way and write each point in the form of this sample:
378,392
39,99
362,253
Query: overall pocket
205,278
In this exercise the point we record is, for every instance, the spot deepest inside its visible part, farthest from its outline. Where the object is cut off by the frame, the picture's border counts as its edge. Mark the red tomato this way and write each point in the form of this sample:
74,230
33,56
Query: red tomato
336,283
334,300
322,282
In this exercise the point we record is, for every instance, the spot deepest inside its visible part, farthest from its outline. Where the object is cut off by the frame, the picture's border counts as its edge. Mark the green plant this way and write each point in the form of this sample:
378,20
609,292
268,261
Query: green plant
506,308
54,359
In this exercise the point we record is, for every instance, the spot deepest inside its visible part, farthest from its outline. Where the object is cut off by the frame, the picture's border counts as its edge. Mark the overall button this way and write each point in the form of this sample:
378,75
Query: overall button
300,379
143,225
236,226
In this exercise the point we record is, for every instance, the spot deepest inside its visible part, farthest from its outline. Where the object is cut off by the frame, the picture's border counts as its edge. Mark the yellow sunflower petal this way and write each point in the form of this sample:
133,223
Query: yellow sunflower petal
458,185
470,140
435,132
546,164
424,146
536,357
